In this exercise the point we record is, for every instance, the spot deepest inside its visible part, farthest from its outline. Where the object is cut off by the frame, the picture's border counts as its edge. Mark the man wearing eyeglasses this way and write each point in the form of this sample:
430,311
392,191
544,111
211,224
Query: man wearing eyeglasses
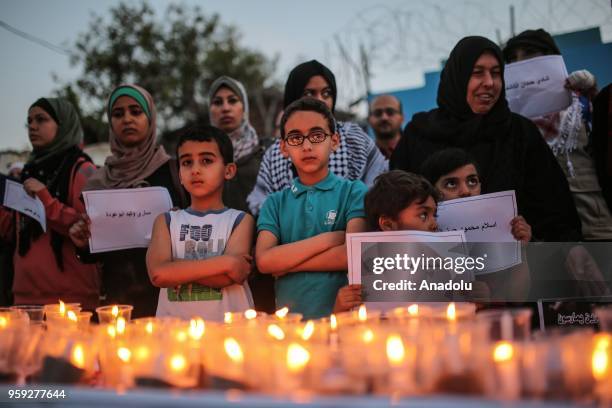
386,120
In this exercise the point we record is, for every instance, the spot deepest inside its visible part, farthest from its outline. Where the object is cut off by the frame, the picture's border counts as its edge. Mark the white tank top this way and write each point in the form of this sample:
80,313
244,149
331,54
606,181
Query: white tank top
201,235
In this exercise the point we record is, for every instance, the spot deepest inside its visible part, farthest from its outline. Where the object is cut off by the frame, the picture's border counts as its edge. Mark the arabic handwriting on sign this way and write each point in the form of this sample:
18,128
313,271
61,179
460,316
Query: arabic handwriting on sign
543,79
486,225
527,83
128,214
511,86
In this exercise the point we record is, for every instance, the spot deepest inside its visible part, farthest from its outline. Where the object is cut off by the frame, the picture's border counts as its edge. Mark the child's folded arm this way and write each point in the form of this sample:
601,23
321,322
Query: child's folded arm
332,259
166,272
279,259
239,247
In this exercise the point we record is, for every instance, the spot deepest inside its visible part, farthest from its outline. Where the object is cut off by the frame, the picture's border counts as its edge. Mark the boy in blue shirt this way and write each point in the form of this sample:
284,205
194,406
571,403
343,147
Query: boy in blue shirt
302,228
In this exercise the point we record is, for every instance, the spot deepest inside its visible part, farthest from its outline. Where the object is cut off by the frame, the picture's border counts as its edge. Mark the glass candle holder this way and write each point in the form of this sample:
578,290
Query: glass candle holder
110,313
507,324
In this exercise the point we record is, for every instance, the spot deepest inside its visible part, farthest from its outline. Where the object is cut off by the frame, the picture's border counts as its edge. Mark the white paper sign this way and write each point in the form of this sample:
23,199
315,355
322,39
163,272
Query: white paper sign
122,219
15,197
535,87
485,218
409,238
355,240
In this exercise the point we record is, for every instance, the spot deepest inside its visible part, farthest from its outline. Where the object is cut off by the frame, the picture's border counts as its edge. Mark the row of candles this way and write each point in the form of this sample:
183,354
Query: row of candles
414,350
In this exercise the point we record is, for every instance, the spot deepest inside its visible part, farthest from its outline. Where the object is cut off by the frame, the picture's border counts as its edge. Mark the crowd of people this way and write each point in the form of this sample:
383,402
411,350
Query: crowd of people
277,217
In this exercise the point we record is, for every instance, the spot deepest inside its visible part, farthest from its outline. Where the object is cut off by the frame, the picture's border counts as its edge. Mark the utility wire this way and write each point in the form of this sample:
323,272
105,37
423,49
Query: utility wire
34,39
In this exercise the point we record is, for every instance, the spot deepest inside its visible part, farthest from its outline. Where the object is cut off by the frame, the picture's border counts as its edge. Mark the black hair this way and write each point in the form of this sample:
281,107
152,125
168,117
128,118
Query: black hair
394,191
445,161
309,105
207,133
399,102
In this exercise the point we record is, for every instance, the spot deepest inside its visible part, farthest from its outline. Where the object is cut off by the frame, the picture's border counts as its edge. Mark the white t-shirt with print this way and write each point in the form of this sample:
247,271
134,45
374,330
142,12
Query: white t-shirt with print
201,235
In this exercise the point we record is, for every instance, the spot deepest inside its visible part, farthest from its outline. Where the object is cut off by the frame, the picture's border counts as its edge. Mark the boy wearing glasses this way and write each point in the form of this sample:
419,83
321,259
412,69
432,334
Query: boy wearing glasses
386,120
302,228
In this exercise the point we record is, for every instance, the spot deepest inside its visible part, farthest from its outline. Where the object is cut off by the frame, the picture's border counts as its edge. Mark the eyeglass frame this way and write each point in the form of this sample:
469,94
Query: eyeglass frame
308,136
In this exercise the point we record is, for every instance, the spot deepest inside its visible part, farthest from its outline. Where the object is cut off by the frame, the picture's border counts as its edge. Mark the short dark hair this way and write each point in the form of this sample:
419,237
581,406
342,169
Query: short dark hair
445,161
309,105
400,107
392,192
207,133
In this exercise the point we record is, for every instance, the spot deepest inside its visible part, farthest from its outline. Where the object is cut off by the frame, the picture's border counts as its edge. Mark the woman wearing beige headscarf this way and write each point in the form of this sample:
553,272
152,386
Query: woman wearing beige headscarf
136,161
229,111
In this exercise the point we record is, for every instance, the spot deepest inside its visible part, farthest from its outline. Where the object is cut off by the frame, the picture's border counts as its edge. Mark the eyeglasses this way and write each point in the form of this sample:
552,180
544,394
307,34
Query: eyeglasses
314,136
377,113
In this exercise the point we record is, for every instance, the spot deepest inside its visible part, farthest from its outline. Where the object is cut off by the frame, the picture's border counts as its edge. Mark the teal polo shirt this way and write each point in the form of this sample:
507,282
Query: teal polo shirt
299,212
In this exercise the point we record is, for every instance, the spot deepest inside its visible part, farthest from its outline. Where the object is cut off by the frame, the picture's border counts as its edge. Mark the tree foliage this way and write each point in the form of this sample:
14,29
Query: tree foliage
175,57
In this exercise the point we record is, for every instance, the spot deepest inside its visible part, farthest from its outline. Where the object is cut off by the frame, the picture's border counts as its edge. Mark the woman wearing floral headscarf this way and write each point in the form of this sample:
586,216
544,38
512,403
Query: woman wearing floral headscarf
136,161
45,262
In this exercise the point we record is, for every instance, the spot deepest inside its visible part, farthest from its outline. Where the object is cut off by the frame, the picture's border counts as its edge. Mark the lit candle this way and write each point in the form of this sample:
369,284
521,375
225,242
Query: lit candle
282,313
308,330
250,314
235,369
333,335
196,328
289,377
401,378
276,332
77,357
452,341
601,368
362,314
507,369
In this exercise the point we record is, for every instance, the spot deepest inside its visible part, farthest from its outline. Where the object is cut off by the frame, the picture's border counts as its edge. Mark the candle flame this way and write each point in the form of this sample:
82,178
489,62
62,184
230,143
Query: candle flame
333,322
196,328
297,357
72,316
124,354
281,313
181,336
149,327
62,307
3,322
413,310
600,359
362,314
115,311
250,314
308,330
276,332
451,312
78,356
178,362
503,352
233,350
395,350
367,336
142,353
112,332
120,325
227,317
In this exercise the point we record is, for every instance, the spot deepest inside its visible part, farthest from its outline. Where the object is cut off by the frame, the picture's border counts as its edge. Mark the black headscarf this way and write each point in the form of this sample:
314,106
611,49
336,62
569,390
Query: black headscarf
299,77
53,166
536,39
508,148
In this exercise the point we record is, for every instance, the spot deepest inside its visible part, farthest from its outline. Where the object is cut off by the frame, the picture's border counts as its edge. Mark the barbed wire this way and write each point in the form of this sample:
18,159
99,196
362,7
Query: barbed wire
418,35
